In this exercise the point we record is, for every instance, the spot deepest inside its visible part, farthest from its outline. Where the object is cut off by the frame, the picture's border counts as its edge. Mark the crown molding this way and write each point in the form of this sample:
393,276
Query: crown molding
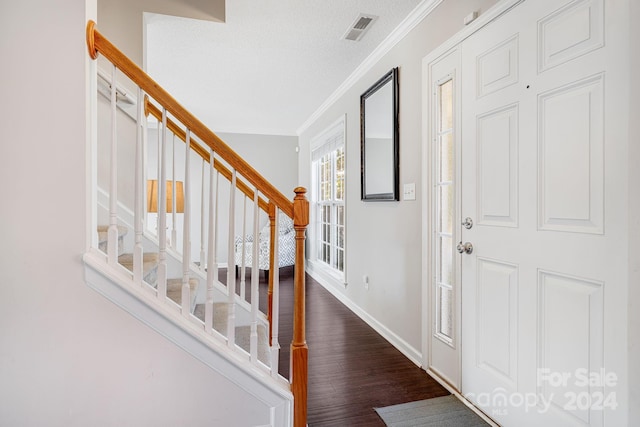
409,23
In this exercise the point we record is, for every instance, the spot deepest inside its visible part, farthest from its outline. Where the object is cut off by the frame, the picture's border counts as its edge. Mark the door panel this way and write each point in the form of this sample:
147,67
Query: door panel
497,311
497,158
570,335
571,133
570,31
498,67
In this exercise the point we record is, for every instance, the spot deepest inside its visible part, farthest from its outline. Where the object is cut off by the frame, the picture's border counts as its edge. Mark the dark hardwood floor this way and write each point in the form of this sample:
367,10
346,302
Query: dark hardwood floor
352,369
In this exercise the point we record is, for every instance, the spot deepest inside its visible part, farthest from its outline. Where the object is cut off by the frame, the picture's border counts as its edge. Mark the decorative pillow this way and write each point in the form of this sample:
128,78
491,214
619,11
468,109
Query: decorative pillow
247,238
285,224
265,233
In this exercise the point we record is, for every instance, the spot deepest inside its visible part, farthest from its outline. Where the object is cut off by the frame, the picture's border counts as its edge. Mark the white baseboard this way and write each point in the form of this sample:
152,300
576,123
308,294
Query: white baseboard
334,287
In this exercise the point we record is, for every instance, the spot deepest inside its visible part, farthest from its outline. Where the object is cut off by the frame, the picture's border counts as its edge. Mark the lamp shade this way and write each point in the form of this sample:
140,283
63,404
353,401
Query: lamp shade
152,196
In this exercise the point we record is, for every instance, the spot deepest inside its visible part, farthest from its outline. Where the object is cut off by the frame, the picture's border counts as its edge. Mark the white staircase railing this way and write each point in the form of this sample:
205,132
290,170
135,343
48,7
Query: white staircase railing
225,171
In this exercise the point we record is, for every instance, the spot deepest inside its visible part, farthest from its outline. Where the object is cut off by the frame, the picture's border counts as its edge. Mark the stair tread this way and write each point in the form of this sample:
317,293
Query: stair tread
121,229
243,340
149,265
103,231
174,288
149,261
103,237
173,284
243,333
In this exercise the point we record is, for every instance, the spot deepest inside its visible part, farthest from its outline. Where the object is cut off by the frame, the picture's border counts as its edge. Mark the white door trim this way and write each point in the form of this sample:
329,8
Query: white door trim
427,185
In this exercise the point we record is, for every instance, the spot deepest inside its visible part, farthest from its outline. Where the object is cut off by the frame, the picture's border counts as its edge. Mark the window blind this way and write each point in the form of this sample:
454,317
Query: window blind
329,142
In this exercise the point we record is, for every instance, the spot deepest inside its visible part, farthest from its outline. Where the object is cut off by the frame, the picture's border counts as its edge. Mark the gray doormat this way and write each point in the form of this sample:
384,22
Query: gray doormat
445,411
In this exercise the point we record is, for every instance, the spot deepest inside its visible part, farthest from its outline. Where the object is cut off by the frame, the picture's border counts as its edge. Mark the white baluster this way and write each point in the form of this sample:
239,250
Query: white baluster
255,278
243,264
202,219
275,304
212,265
174,194
186,229
138,254
162,213
231,271
112,234
145,154
160,133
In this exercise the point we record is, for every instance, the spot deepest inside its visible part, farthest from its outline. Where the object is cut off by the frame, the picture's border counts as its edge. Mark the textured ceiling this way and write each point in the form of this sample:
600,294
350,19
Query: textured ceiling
270,65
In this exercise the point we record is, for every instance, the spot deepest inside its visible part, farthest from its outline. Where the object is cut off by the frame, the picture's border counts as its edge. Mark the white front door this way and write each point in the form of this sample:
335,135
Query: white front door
541,284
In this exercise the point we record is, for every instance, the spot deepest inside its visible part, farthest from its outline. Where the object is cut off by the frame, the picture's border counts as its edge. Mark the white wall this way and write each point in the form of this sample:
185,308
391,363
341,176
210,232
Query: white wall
274,156
69,357
384,238
122,20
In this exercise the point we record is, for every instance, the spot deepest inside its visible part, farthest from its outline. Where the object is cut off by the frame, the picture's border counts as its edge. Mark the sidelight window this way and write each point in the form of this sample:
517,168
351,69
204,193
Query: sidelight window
445,211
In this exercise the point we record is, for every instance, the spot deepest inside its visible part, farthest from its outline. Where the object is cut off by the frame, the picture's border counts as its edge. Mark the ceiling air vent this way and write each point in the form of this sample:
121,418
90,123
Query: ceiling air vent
359,27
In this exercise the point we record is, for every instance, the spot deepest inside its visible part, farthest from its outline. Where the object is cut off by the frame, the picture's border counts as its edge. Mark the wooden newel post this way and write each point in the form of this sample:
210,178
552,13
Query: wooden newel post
272,267
299,349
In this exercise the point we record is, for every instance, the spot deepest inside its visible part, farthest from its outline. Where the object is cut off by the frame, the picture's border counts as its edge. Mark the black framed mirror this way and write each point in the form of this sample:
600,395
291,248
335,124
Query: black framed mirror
380,141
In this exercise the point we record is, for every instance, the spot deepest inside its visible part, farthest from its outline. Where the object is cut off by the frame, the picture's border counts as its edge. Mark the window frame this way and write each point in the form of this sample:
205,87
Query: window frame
439,236
326,148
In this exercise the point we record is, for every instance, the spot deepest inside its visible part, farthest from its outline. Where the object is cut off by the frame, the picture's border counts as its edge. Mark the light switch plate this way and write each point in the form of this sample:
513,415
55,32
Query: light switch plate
409,192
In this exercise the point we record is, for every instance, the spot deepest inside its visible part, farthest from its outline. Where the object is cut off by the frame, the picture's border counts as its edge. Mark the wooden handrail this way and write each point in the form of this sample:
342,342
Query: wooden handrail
149,108
97,43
